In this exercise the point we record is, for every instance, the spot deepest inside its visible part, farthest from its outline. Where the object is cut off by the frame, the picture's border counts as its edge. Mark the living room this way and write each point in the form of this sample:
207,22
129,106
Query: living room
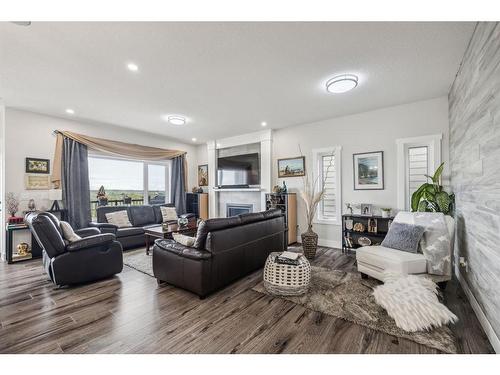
335,194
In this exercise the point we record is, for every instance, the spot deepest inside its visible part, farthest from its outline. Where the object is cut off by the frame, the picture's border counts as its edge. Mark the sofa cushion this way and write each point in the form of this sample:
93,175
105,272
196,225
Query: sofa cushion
157,211
130,231
103,210
380,259
404,237
209,225
141,215
168,214
119,218
251,217
183,239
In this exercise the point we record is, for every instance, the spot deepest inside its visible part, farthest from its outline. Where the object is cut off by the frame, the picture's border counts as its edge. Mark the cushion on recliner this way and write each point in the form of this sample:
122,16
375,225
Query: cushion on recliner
141,215
157,211
213,224
130,231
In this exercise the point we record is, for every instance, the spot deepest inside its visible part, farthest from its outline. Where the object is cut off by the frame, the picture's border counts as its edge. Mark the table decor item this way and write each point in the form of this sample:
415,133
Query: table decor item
182,221
364,241
23,249
102,198
366,209
386,212
359,227
12,204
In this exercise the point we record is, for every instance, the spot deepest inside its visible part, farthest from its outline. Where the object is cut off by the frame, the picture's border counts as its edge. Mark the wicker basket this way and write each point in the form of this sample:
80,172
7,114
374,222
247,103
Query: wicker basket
286,280
309,244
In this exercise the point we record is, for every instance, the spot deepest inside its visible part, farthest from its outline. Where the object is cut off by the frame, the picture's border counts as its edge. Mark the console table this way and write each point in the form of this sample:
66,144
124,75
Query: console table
375,232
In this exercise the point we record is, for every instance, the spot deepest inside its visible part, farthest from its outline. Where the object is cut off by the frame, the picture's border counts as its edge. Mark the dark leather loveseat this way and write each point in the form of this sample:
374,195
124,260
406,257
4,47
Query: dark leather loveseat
225,250
95,256
141,217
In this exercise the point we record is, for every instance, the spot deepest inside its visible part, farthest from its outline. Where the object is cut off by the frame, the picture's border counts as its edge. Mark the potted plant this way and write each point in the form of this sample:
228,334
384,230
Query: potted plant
312,193
430,197
386,212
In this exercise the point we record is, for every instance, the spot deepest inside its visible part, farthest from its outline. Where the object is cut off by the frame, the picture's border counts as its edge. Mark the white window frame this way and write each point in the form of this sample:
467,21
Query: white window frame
317,174
145,179
433,144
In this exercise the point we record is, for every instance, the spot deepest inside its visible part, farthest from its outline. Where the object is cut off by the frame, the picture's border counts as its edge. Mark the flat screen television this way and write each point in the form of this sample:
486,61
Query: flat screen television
238,170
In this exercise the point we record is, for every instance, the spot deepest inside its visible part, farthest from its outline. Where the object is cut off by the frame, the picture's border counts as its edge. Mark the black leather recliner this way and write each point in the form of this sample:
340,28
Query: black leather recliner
95,256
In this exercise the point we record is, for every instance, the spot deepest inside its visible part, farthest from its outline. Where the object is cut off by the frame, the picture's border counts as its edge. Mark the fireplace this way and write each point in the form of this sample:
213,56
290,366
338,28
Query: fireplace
233,209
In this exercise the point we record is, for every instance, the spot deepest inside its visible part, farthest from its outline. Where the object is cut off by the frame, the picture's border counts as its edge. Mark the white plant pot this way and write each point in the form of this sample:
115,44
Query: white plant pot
385,214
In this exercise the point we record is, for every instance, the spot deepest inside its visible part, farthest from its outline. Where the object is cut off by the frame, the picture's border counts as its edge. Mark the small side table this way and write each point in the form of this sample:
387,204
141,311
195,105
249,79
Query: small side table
36,250
286,280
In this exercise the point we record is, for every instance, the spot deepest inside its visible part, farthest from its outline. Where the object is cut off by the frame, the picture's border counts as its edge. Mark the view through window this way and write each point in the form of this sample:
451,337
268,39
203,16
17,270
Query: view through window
127,181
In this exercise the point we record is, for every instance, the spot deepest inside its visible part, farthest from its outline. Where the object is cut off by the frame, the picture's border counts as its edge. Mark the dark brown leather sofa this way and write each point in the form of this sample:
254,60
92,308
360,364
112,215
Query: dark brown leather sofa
141,217
225,250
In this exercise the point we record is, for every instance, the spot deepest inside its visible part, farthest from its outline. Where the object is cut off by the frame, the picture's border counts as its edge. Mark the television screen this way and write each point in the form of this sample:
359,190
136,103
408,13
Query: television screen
238,170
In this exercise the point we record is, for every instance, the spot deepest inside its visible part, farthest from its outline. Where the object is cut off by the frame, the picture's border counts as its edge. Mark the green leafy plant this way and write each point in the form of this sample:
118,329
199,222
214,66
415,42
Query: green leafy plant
430,197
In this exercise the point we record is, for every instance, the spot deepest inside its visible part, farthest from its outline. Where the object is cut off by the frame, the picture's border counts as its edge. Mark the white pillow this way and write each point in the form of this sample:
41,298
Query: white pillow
118,218
183,239
68,232
168,214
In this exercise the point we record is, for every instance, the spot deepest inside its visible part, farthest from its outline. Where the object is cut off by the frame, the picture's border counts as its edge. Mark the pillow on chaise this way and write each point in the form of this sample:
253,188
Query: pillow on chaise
404,237
168,214
183,239
118,218
68,232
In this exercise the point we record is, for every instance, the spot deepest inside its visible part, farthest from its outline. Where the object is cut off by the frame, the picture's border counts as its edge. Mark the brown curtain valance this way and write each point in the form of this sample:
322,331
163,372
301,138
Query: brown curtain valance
109,147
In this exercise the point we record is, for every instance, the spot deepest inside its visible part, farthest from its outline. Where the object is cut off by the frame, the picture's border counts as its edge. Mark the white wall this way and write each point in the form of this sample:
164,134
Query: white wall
364,132
30,134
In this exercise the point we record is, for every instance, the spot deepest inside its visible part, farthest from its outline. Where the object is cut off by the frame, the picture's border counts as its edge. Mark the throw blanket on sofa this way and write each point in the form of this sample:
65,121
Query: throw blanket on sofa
436,243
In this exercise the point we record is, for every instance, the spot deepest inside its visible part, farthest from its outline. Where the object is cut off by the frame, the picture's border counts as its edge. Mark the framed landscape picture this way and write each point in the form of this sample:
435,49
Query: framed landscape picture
34,165
203,175
291,167
369,171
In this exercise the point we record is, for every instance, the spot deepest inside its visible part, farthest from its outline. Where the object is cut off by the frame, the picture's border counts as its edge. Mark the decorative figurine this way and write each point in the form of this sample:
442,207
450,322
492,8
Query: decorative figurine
31,205
284,188
348,208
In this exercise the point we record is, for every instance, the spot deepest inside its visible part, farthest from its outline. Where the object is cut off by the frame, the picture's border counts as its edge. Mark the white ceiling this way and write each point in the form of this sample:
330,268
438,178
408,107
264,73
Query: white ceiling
225,77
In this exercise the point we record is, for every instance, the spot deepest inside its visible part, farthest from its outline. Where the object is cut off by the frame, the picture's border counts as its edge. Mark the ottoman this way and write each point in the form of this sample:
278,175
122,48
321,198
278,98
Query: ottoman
286,280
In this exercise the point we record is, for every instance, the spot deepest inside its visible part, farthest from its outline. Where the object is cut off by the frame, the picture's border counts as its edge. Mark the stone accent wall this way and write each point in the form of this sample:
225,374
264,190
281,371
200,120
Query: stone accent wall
474,114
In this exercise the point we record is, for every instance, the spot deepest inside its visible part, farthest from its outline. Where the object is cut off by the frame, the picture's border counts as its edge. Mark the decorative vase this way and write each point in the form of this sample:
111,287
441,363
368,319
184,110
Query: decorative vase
385,213
309,243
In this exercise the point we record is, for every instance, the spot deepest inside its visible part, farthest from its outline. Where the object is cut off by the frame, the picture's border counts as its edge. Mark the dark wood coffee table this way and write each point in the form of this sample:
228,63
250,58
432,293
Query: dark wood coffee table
156,232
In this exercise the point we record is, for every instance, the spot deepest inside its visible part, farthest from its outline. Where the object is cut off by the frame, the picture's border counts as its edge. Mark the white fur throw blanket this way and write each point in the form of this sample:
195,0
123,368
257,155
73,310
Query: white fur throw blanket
412,302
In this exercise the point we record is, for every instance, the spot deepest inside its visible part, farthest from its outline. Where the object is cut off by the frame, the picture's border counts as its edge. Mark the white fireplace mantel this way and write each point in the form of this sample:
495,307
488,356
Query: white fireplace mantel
265,139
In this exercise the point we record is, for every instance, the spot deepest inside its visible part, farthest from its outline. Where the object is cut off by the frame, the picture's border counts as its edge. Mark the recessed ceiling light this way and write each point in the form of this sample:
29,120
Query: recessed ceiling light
193,139
70,111
175,119
263,123
341,83
132,67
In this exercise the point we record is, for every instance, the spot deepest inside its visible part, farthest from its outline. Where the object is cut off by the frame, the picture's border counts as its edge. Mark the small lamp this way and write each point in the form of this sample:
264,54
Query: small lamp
56,196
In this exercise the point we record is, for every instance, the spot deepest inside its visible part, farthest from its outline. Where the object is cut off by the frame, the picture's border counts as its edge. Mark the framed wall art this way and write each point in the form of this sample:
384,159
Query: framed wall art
34,165
292,167
203,175
36,182
368,170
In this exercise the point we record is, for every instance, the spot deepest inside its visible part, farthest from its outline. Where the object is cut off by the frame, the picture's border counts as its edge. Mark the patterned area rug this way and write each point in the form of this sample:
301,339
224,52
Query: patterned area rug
345,295
138,260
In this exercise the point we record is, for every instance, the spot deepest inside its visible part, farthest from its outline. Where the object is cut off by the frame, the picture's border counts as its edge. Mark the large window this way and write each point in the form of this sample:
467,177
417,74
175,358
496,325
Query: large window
417,157
327,171
128,181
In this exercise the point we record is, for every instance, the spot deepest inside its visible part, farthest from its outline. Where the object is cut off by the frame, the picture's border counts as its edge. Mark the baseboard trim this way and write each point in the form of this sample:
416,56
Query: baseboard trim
326,243
483,320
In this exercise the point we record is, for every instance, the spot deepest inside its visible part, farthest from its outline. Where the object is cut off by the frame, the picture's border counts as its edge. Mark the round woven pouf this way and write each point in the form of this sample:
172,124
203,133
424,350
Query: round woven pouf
284,279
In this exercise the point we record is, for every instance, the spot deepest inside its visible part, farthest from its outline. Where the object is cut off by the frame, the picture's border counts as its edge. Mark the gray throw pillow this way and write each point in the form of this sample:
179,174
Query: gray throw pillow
405,237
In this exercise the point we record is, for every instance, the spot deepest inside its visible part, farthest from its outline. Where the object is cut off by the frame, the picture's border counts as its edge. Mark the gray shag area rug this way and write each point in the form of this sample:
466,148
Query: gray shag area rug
345,295
138,260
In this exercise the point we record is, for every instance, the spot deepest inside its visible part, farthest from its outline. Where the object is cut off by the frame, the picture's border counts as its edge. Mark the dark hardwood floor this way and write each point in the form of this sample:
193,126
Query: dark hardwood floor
130,313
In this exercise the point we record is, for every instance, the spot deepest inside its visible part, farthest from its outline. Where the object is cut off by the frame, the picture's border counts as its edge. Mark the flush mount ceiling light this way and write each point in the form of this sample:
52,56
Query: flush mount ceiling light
175,119
132,67
70,111
193,139
263,123
341,83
